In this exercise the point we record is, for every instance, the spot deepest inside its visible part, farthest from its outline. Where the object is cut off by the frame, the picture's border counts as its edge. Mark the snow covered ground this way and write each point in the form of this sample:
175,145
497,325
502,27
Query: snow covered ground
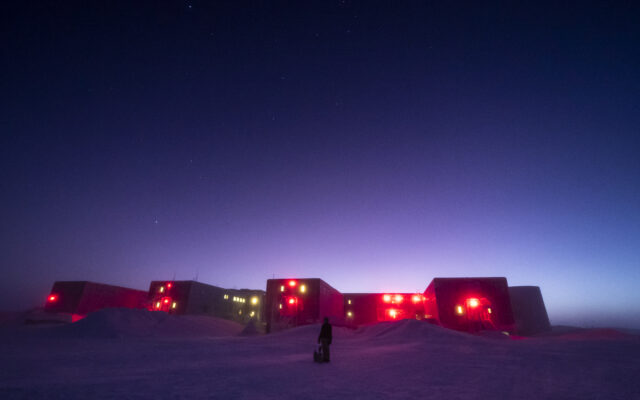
137,354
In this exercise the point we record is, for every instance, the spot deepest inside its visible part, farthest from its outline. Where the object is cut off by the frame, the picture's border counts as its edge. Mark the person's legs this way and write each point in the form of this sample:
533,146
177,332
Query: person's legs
325,350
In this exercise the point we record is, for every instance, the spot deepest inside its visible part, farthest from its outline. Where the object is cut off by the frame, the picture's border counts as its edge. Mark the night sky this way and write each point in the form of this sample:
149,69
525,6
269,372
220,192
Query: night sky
374,145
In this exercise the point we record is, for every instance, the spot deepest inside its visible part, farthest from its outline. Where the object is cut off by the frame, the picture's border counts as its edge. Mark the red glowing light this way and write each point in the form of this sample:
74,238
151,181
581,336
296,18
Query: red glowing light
169,285
53,298
393,313
166,301
292,283
386,298
292,301
473,303
399,298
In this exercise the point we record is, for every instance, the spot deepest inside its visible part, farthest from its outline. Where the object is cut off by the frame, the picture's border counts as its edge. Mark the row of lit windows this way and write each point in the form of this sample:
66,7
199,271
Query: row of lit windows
303,288
254,300
173,305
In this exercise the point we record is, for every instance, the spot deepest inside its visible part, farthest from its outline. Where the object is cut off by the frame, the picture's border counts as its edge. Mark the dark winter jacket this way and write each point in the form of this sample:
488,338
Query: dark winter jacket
325,332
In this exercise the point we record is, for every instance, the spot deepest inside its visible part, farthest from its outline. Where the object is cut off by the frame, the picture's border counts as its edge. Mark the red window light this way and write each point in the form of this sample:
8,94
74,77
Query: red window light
52,298
166,301
169,284
473,303
386,298
292,283
398,298
393,313
416,298
292,301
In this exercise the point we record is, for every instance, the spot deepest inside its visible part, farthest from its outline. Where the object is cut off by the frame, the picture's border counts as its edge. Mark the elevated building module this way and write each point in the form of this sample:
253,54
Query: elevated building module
365,308
301,301
197,298
79,298
469,304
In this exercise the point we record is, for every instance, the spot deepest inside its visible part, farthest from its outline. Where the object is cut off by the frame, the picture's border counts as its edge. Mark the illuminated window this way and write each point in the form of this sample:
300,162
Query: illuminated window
158,305
292,283
386,298
399,298
489,310
393,313
292,301
459,310
166,301
349,314
252,313
161,290
303,288
239,312
174,305
226,297
53,298
349,301
169,285
473,303
254,300
282,288
416,299
280,306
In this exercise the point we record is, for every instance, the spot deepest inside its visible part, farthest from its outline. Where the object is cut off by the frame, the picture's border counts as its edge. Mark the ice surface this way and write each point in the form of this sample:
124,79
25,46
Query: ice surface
121,354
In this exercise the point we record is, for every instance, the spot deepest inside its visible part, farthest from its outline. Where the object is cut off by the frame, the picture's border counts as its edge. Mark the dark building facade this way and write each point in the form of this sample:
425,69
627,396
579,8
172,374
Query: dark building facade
197,298
469,304
294,302
529,311
365,308
82,297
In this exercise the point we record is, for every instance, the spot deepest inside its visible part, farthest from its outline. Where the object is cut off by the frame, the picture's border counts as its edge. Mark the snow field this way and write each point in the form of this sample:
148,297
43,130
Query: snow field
123,354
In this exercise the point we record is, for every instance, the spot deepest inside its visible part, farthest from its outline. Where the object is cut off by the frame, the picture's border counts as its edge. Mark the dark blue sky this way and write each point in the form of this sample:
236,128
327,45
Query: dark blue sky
375,145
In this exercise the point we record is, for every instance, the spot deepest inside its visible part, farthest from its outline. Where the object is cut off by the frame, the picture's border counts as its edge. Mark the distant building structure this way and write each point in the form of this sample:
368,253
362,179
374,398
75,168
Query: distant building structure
197,298
366,308
301,301
79,298
529,311
470,304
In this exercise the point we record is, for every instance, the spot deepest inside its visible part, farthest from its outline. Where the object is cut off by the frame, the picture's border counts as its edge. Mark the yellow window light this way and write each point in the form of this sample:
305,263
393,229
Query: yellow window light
161,290
459,310
174,305
489,310
226,297
158,305
252,313
303,288
254,300
239,312
281,306
349,301
349,314
282,288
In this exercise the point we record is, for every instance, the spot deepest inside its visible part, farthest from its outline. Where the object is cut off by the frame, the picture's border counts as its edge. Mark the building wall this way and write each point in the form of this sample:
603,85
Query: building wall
529,311
452,294
197,298
288,305
83,297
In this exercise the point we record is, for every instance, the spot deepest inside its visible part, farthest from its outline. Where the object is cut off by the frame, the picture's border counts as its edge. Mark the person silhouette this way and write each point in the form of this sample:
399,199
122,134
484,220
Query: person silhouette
324,339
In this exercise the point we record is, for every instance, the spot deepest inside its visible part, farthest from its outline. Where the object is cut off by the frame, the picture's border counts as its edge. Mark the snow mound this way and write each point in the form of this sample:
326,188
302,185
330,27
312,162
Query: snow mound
251,329
123,322
410,330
